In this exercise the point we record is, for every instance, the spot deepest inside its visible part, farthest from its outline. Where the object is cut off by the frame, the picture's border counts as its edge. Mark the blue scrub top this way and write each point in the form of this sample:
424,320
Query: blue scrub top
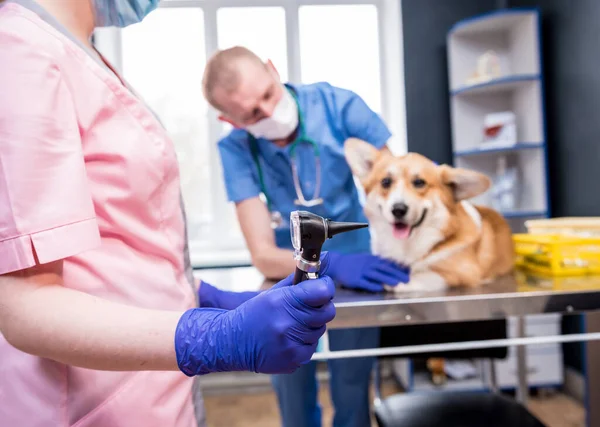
331,115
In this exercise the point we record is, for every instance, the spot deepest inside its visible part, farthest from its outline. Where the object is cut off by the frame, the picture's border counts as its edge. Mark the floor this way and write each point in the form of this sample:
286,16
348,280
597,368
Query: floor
260,410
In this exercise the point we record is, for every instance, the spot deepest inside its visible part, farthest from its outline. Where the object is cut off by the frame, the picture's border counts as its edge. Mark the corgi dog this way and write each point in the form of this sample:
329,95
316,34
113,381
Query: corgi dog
419,217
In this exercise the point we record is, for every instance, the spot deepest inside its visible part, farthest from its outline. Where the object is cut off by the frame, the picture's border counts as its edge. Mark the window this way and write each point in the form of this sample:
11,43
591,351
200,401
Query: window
260,29
340,44
163,58
156,61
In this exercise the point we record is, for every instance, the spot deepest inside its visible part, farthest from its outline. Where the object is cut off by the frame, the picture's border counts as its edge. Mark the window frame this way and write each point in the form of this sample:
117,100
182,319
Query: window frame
207,253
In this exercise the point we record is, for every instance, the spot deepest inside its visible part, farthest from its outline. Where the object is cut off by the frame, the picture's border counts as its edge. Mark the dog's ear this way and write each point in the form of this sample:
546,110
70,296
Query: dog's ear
361,157
465,184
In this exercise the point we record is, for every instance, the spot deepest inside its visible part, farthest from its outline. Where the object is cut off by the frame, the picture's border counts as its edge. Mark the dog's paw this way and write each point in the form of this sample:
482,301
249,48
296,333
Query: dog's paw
485,282
428,282
389,288
412,286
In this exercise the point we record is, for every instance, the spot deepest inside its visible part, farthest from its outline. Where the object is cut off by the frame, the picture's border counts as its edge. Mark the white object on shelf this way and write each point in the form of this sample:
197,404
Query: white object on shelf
499,130
488,68
505,187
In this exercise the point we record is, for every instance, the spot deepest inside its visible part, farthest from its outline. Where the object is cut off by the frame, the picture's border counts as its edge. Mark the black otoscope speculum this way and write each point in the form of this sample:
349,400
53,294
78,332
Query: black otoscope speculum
309,232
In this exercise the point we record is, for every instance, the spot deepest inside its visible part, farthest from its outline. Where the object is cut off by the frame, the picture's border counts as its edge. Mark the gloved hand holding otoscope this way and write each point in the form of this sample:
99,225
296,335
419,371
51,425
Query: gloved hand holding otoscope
275,331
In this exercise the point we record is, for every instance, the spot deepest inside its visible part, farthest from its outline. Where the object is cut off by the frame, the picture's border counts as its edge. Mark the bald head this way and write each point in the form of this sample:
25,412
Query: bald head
241,86
223,72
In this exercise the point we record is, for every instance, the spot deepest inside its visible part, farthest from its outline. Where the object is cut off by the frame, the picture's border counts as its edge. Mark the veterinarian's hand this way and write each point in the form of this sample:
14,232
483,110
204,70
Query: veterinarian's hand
274,332
213,297
365,271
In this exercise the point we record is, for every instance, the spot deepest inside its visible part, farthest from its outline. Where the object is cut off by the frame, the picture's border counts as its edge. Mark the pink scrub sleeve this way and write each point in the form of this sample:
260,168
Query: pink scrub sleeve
46,210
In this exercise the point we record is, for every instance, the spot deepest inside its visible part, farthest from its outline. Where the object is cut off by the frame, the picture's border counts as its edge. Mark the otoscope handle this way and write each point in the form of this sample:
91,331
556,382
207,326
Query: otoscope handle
300,276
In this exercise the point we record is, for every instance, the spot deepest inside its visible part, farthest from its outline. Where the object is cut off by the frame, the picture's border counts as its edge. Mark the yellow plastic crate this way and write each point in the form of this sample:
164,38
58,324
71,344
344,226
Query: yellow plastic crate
558,255
528,281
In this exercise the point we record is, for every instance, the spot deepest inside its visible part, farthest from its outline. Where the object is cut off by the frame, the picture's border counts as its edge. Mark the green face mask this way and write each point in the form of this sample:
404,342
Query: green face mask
121,13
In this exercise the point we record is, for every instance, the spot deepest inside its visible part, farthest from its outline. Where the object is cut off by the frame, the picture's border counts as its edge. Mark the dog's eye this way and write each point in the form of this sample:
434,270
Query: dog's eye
419,183
386,182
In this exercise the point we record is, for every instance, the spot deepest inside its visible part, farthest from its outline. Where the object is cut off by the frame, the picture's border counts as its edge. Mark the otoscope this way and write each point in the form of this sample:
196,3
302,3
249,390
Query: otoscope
309,232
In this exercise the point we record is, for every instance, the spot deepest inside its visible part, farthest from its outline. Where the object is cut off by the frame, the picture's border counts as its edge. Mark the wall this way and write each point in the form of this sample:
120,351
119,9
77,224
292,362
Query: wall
425,26
572,80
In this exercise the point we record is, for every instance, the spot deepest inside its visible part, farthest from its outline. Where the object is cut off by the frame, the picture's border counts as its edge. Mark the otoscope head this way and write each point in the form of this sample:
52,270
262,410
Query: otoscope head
309,232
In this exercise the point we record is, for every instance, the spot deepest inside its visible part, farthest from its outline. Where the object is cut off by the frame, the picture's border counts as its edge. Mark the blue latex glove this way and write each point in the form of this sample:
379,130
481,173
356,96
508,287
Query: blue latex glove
365,271
274,332
212,297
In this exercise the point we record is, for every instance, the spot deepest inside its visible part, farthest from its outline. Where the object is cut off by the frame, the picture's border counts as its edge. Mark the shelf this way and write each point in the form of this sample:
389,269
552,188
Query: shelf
521,96
531,192
497,21
511,34
502,84
483,151
512,37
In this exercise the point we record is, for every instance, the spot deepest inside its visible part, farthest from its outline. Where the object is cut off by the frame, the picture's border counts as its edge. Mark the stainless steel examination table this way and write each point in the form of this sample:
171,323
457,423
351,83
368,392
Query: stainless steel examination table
516,296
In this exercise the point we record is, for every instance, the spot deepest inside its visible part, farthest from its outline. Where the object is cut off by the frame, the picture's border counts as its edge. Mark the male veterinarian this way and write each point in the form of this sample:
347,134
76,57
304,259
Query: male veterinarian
288,146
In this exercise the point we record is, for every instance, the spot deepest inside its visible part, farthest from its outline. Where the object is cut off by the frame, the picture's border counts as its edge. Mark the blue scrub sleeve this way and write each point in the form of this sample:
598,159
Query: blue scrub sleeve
238,170
359,121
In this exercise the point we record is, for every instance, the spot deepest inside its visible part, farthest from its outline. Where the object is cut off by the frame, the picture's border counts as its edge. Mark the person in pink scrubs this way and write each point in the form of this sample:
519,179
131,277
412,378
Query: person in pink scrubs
99,317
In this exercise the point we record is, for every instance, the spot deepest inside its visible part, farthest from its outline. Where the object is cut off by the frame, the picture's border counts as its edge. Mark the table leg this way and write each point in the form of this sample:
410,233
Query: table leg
522,386
592,371
490,369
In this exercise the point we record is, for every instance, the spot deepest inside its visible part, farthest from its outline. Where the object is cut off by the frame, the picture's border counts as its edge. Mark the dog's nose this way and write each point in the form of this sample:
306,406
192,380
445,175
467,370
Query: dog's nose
399,210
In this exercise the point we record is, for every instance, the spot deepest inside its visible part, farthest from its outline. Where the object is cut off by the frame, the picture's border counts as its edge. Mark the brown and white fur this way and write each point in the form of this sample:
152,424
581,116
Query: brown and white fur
419,217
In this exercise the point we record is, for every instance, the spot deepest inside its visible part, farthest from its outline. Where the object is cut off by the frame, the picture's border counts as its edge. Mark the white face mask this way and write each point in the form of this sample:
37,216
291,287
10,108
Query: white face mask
282,122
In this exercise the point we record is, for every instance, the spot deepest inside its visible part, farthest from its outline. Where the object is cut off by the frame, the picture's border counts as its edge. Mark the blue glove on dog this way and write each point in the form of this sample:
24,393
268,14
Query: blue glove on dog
275,332
365,271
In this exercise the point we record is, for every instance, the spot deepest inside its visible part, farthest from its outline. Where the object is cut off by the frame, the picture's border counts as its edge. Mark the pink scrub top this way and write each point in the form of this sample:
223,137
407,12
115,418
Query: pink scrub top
87,175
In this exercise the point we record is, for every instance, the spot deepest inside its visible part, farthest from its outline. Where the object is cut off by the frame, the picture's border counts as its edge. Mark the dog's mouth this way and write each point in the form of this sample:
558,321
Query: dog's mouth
403,230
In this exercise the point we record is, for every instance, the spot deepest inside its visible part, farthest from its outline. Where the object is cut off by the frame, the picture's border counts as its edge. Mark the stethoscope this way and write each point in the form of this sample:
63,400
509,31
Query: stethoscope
276,218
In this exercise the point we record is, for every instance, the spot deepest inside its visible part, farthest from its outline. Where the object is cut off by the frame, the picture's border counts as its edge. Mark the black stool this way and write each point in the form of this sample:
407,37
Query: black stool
443,409
453,410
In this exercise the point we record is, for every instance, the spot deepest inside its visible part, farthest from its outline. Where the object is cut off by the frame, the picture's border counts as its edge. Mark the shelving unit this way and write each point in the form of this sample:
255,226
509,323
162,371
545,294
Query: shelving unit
514,36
